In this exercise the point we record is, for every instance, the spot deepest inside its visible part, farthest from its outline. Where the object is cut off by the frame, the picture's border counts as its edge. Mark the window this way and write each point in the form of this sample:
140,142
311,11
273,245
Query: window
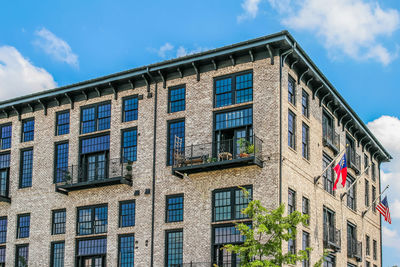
374,249
94,158
328,175
57,254
291,201
351,239
367,245
291,130
373,198
366,163
305,141
127,213
130,108
3,230
366,193
95,118
92,220
91,252
306,244
22,255
28,128
305,104
58,222
2,256
61,162
174,248
306,208
174,208
129,144
228,203
233,89
367,264
176,98
373,171
351,194
23,224
62,122
4,174
329,226
175,129
5,136
126,250
330,261
292,90
25,179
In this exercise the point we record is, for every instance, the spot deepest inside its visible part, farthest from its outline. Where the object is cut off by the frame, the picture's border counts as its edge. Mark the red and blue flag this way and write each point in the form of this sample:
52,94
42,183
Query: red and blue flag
341,171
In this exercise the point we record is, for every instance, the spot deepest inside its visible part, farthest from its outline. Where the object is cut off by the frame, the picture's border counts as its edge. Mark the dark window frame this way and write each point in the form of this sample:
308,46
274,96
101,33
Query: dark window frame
3,263
305,108
135,96
169,156
23,133
8,124
367,245
78,257
366,193
366,163
373,193
167,197
176,87
5,232
18,232
292,132
234,90
123,131
291,206
53,224
17,247
351,195
166,246
52,245
120,212
55,171
328,184
58,125
305,207
21,167
92,220
292,95
305,144
374,249
120,236
6,168
96,116
306,263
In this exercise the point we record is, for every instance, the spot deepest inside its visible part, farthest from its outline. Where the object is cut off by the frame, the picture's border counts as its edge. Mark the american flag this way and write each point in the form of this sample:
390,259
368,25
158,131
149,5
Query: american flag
383,209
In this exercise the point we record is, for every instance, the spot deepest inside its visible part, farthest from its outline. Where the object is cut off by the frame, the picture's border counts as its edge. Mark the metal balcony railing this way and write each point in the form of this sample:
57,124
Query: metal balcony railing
92,172
354,249
330,138
218,152
353,159
332,237
205,264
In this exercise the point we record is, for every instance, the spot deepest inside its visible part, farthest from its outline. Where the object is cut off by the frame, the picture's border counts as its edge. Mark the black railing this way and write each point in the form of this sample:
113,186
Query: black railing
332,237
204,264
354,249
330,137
219,151
353,159
94,171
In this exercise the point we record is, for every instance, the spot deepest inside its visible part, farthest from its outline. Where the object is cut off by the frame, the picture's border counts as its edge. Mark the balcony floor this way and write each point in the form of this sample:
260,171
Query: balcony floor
219,165
65,188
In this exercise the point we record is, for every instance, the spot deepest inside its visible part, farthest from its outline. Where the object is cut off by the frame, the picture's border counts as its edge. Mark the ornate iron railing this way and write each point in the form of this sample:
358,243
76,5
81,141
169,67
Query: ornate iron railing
332,237
354,249
330,137
353,159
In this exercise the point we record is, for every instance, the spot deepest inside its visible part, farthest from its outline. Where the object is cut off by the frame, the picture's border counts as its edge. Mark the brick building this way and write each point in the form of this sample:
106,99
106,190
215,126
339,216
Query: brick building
142,167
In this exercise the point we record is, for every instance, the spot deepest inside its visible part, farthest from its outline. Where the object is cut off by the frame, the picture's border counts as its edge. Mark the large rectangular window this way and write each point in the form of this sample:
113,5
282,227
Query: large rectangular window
61,162
59,218
366,163
3,230
28,129
351,194
233,89
328,174
374,249
94,158
173,248
62,122
176,129
91,252
57,254
373,171
305,110
130,108
25,179
305,245
291,90
176,98
174,211
229,203
292,130
366,196
5,136
4,174
306,208
2,256
23,225
129,144
305,142
95,117
126,250
92,220
291,201
22,255
127,213
367,245
373,198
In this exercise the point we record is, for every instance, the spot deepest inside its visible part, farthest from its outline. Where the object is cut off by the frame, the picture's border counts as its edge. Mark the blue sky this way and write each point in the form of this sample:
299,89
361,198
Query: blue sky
356,43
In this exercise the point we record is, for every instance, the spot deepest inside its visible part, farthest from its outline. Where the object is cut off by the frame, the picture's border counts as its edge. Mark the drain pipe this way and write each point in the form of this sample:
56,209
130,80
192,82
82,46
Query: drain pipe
154,177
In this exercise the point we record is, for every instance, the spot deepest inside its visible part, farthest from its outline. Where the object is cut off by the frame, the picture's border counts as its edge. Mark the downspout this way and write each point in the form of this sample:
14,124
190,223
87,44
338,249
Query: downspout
154,177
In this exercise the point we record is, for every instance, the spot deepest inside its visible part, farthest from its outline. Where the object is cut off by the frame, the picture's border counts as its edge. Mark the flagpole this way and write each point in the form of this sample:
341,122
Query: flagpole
365,211
358,178
329,165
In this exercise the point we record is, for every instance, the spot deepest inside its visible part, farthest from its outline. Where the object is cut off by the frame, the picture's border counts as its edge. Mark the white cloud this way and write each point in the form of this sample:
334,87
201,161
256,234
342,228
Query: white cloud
168,51
167,47
351,27
250,8
56,47
18,76
390,238
182,51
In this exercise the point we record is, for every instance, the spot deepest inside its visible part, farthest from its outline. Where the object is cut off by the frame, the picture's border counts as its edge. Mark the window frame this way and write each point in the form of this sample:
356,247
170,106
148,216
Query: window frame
305,262
305,202
374,249
8,124
123,119
78,257
292,135
167,197
5,232
52,244
123,131
367,245
17,247
21,164
234,90
18,232
92,219
57,120
305,109
166,246
170,161
180,86
53,213
293,95
366,193
373,194
328,184
120,212
23,133
56,159
120,236
351,201
96,116
305,146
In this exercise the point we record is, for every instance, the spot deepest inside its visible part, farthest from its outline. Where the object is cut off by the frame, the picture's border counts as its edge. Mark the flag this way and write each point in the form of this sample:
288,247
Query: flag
341,170
383,209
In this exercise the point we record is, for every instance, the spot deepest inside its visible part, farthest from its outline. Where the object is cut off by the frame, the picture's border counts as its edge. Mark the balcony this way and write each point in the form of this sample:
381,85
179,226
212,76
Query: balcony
354,249
332,238
353,160
330,138
218,155
94,174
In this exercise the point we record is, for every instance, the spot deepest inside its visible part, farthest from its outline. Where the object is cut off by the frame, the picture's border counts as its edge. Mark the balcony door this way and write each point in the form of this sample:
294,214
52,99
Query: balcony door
4,182
350,149
92,261
94,166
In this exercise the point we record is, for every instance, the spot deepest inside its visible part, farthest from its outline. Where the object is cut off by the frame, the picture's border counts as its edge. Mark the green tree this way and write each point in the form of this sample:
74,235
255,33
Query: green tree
262,244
